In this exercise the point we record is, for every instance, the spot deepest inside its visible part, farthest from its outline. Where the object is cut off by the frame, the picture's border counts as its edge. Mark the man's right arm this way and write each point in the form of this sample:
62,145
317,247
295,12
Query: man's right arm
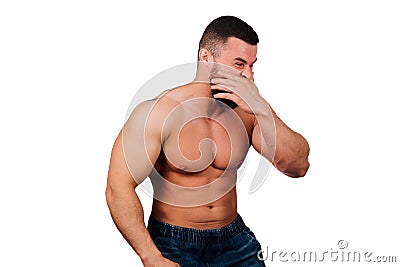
134,152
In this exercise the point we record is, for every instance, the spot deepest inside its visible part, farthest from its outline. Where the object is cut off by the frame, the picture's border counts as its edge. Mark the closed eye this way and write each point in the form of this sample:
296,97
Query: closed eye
239,64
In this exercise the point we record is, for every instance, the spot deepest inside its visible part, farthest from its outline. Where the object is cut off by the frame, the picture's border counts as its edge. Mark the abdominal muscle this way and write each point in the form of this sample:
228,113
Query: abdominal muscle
193,208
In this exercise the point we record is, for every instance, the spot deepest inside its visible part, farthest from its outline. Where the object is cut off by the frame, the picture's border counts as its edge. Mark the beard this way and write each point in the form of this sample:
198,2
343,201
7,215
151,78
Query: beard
227,102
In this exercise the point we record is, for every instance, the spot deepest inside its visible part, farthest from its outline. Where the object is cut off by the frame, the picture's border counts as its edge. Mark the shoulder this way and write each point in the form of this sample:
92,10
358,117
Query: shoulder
153,114
160,105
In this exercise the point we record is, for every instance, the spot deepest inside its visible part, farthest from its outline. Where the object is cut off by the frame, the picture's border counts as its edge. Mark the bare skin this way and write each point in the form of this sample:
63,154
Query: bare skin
173,146
214,161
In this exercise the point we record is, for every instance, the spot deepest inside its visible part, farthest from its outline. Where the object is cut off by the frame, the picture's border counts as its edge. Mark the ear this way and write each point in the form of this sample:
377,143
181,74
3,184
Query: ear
205,55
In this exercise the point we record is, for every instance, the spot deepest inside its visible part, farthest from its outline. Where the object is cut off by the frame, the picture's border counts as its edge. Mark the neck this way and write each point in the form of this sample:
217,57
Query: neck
203,100
204,71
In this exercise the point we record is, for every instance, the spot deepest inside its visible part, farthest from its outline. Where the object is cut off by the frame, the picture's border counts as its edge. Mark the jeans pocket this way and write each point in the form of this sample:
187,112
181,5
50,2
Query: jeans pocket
252,238
250,234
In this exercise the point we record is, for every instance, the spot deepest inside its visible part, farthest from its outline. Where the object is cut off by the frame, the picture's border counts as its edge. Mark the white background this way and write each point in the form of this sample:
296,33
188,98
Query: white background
69,69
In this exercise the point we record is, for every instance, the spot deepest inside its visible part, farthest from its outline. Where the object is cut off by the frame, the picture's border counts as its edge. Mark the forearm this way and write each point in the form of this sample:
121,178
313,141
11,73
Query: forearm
127,213
266,125
290,149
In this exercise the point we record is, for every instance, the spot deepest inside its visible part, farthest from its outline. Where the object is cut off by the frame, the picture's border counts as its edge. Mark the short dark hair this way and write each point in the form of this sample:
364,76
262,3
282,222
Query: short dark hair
220,29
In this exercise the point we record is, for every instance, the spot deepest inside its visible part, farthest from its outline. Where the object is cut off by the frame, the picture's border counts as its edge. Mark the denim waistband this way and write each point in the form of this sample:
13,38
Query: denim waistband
162,229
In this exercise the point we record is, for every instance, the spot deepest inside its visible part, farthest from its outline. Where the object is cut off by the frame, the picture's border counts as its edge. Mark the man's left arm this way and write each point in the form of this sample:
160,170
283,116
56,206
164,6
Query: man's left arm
287,150
284,148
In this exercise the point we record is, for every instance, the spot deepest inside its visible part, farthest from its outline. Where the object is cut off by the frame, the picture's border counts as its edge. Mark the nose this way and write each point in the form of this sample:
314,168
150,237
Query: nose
248,71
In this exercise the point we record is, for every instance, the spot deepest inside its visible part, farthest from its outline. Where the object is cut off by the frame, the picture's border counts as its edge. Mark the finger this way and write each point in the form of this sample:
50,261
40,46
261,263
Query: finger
223,81
229,96
229,75
222,95
225,68
228,88
221,87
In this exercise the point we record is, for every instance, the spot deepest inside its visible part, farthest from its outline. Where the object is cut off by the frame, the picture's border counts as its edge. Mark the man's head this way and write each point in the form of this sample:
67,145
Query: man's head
230,41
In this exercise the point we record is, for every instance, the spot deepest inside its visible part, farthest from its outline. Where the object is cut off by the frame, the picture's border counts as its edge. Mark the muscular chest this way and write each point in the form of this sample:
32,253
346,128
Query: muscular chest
202,142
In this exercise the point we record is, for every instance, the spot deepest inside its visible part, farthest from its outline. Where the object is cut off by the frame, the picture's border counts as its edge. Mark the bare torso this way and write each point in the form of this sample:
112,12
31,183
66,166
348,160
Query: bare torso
204,146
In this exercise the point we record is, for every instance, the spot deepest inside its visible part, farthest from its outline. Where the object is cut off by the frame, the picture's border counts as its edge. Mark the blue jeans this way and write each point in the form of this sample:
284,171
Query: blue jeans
231,245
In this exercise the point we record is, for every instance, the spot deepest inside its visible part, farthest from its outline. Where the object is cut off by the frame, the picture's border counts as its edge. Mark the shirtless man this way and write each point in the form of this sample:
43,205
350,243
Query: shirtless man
190,141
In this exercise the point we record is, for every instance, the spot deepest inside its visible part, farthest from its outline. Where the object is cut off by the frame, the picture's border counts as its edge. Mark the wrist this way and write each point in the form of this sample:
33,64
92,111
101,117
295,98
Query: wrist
149,256
148,251
262,108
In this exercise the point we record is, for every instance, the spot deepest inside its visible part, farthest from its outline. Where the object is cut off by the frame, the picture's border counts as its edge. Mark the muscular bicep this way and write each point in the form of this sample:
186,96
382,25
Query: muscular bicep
136,148
118,172
256,139
141,140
